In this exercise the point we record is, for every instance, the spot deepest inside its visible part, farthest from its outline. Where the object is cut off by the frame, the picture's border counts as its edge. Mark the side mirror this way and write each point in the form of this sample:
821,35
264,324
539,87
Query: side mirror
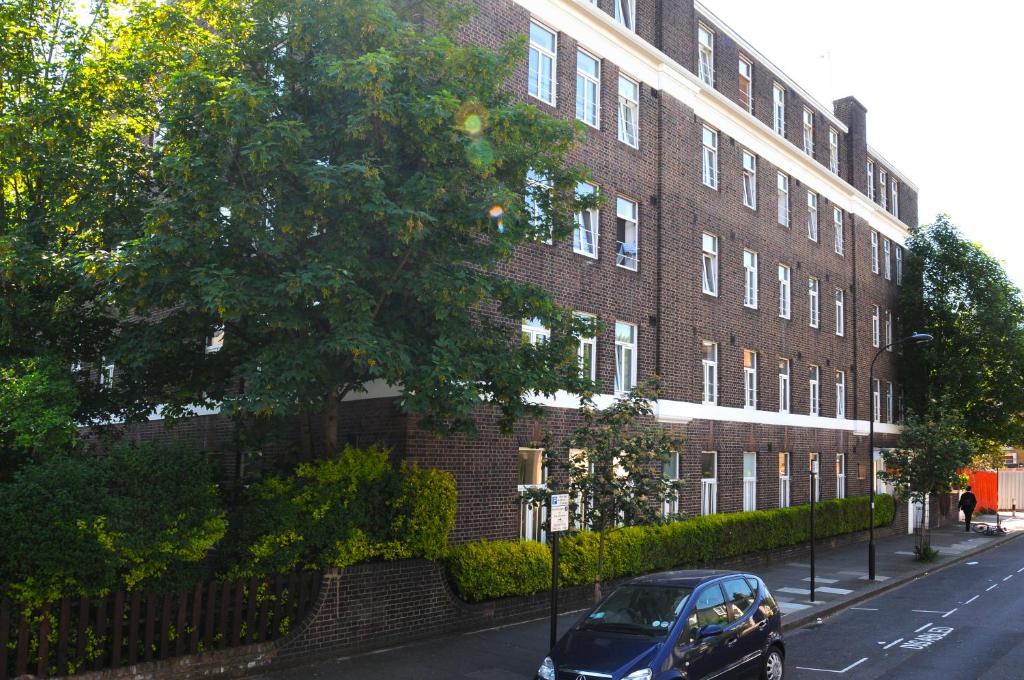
710,630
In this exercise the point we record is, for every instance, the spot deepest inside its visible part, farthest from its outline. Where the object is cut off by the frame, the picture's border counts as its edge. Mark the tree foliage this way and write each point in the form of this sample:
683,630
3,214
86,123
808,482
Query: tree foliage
614,472
975,365
340,182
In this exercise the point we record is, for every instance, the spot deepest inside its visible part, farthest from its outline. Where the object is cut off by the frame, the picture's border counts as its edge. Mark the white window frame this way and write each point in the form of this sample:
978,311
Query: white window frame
876,326
749,481
874,252
709,487
627,213
670,469
895,191
888,330
215,340
841,395
890,404
887,256
544,56
813,305
709,157
625,13
585,344
532,518
625,356
812,216
584,238
808,128
782,194
534,332
785,291
883,181
840,475
750,279
705,54
837,222
785,472
750,379
899,266
709,264
746,95
814,390
876,400
629,111
588,91
779,109
785,370
709,364
840,312
871,179
833,150
749,179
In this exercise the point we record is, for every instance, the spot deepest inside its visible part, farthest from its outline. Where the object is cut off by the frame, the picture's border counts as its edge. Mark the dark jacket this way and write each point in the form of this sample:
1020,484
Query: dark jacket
967,502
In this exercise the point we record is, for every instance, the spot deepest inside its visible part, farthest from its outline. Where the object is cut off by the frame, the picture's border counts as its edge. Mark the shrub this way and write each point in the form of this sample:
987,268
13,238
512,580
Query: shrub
485,570
335,513
490,569
74,525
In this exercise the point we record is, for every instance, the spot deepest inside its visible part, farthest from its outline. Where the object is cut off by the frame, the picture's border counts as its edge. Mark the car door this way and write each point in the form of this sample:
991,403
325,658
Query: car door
705,657
745,636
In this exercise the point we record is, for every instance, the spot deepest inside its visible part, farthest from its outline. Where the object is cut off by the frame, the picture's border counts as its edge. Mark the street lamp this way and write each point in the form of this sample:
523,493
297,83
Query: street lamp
913,338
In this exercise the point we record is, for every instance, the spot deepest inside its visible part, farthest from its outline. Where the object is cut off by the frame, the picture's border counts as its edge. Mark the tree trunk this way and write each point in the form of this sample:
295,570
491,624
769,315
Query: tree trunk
330,424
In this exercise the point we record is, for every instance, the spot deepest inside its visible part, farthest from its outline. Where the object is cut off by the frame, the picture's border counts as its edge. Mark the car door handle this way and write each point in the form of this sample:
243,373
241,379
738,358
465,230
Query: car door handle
763,624
731,641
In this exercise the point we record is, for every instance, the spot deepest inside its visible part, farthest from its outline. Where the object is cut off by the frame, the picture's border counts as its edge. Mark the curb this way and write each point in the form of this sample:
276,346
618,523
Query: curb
838,606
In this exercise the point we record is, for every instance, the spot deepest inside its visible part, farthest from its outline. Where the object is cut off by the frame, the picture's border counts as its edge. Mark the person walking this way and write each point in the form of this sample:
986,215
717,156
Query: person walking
967,503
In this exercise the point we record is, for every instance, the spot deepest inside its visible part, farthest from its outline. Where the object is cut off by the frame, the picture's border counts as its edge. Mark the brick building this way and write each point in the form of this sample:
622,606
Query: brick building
750,253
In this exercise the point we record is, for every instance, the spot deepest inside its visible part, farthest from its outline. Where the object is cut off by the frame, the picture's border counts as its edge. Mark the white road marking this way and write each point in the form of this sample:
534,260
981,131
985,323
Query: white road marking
994,585
904,552
794,591
865,609
975,562
949,612
927,611
877,578
893,643
1008,577
971,600
1020,570
922,628
790,607
834,591
818,579
829,670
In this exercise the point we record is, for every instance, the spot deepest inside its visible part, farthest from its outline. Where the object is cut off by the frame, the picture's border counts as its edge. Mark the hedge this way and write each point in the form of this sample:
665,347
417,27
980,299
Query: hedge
489,569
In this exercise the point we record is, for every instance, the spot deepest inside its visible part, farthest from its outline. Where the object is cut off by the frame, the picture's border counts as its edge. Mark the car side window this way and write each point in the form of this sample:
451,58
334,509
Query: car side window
710,607
738,596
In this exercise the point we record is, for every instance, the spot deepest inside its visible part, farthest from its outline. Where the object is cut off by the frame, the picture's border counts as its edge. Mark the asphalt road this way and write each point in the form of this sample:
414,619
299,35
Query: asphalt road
960,623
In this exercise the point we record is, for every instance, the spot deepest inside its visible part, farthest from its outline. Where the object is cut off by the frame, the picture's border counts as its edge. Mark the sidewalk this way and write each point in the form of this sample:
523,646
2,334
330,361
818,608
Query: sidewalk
513,652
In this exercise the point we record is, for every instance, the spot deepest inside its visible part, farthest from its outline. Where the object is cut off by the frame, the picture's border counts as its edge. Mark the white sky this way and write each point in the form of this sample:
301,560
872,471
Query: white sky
939,80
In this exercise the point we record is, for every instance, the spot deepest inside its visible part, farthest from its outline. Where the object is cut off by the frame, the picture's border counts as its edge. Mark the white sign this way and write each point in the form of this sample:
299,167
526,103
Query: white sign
560,512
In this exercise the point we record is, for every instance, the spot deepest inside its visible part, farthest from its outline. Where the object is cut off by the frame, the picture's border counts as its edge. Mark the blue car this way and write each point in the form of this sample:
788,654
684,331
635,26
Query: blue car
678,625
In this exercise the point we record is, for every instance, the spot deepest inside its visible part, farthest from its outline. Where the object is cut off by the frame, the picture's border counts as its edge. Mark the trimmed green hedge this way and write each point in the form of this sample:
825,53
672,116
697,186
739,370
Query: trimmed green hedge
489,569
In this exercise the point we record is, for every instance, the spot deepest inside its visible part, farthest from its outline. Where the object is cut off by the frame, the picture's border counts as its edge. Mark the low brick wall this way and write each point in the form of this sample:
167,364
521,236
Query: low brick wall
226,663
378,604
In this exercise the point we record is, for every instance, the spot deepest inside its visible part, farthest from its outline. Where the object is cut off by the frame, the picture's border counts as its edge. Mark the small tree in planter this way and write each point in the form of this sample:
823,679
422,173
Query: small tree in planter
614,471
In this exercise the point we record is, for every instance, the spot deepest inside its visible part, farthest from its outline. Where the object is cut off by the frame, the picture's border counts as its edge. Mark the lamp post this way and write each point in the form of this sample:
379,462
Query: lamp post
914,338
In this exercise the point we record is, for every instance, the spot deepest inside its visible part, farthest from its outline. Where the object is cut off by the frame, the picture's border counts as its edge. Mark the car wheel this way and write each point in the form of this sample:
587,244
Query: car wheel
772,665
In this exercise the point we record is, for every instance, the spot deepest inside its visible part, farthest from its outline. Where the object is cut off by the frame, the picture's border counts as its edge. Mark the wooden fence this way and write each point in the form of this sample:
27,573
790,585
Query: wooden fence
82,634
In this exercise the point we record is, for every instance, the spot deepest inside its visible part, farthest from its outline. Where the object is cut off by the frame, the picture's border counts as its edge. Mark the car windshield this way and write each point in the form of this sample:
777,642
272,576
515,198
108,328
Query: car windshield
639,610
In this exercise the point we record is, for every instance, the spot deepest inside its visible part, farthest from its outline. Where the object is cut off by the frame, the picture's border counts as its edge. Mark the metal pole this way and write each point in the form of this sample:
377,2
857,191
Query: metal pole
871,467
554,588
812,532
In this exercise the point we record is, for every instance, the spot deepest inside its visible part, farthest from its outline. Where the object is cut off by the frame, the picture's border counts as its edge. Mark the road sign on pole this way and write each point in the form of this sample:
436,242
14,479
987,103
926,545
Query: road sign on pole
558,518
559,512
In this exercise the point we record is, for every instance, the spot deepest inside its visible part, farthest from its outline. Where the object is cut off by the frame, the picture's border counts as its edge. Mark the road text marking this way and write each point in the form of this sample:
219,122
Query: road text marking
924,640
830,670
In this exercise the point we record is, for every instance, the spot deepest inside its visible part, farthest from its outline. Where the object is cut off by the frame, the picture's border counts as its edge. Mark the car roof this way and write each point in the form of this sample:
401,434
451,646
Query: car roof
690,578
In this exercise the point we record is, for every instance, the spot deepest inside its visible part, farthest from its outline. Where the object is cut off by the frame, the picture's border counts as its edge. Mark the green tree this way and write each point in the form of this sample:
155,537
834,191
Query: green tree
38,401
931,452
975,365
72,186
341,185
614,472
